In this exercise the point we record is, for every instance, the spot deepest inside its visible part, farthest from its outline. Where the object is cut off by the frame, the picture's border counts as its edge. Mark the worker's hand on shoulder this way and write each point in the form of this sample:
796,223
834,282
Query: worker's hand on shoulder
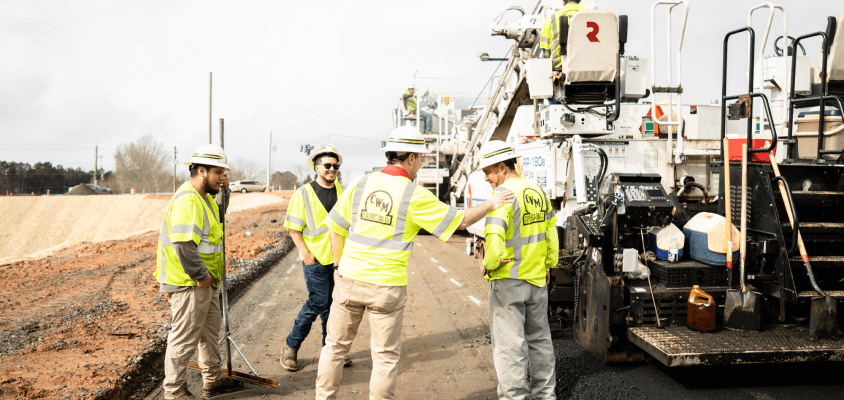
309,258
206,283
500,198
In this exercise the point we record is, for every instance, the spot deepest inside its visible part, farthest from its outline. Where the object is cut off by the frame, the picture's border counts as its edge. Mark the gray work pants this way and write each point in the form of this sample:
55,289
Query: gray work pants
521,338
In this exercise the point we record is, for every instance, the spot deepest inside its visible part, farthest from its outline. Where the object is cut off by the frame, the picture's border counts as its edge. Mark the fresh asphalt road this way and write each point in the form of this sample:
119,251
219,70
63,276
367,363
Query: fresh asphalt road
446,352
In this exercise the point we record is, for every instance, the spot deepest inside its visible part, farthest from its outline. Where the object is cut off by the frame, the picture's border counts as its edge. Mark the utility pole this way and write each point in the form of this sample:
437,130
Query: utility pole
174,169
209,107
269,158
221,133
96,156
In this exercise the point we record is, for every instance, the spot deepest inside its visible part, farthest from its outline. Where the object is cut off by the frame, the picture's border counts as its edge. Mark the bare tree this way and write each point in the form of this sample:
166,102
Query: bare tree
244,169
144,165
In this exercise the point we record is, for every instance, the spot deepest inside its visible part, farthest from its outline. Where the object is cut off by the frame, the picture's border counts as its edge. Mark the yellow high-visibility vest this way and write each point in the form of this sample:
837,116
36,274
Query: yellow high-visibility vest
307,215
411,101
550,32
380,215
525,232
189,217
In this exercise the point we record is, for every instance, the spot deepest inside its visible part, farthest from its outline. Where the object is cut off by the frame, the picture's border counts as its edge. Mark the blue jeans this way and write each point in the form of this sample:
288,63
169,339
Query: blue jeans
319,280
429,121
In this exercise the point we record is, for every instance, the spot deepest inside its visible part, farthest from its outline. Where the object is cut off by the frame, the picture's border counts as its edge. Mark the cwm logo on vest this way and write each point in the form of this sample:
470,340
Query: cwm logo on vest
377,208
535,207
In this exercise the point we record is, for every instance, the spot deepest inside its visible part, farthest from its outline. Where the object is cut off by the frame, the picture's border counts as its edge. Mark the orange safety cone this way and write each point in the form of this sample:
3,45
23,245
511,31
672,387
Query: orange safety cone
48,192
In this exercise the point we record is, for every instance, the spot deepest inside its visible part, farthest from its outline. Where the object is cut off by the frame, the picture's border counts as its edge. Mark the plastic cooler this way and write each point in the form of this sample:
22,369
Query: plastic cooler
706,239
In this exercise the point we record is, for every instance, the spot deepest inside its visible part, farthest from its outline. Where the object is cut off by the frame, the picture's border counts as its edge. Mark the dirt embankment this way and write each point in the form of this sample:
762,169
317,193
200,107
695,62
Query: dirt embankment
77,324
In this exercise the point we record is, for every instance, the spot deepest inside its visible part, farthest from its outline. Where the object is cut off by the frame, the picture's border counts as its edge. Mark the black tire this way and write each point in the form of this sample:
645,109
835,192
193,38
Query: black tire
265,189
243,190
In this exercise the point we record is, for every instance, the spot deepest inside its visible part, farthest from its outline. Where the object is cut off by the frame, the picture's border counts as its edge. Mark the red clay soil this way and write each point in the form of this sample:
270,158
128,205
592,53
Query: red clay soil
72,323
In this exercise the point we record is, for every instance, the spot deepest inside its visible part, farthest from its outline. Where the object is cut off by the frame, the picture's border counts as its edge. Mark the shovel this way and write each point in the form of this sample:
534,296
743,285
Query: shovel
824,309
743,309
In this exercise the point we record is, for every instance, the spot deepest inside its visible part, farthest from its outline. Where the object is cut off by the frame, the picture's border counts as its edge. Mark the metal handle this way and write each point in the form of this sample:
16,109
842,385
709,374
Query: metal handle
795,223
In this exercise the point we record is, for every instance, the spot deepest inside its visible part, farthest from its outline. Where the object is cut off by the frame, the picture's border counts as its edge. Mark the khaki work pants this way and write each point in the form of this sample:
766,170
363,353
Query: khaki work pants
386,314
197,318
521,339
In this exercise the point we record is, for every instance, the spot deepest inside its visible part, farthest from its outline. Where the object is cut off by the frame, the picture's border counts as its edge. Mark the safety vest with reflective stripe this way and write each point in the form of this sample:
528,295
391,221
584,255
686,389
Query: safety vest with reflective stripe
380,215
307,215
411,101
189,217
523,231
550,32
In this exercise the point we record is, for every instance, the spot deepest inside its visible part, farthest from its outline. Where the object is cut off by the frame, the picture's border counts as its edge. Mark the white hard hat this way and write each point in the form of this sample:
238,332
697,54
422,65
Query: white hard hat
406,139
411,86
327,149
494,152
209,154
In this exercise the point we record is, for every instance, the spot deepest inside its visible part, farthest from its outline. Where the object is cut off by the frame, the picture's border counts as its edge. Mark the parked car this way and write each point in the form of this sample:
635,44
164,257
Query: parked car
247,186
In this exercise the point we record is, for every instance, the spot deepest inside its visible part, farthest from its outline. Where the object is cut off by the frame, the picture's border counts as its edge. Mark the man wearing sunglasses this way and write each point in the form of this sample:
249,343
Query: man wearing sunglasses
308,208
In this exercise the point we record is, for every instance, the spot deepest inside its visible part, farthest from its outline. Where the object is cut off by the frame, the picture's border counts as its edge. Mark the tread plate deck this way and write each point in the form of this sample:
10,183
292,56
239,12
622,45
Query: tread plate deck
681,346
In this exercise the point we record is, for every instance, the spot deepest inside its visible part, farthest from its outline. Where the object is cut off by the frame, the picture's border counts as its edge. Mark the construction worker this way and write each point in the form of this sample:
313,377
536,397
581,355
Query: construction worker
308,208
189,268
410,109
373,226
521,249
550,32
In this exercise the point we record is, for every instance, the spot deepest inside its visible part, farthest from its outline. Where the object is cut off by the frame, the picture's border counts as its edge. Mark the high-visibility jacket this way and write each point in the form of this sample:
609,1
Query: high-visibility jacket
380,215
307,215
550,32
410,101
525,232
190,217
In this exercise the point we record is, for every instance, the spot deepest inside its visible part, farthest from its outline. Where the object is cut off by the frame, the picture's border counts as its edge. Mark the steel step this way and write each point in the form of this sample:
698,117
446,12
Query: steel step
822,228
677,346
798,195
822,261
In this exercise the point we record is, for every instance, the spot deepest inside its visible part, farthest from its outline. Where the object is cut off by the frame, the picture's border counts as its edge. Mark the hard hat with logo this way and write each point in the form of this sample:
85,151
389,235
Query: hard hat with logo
327,149
494,152
406,139
209,154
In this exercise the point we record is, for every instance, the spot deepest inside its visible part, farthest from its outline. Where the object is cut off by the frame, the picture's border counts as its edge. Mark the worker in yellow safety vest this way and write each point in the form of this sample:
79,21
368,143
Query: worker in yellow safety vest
189,268
550,32
521,248
409,100
306,213
373,227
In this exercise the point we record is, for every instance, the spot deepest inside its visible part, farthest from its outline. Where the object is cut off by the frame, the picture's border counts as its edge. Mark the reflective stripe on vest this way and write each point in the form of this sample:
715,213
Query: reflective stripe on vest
204,246
396,242
309,214
518,241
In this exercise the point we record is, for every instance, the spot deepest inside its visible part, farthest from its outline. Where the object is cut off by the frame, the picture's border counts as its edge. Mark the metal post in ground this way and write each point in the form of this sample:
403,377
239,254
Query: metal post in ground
269,157
96,151
209,107
221,134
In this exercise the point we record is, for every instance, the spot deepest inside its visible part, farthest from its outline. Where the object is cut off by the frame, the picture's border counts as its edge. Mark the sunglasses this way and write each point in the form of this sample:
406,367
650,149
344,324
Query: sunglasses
330,166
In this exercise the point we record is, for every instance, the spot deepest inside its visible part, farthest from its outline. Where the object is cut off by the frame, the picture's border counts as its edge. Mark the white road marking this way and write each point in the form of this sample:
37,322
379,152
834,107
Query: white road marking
412,273
289,270
418,244
266,304
442,269
455,282
478,302
433,260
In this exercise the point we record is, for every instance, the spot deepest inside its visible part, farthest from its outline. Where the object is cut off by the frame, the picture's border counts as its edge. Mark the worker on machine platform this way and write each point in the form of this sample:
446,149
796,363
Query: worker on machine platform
189,268
549,34
521,248
373,226
306,213
409,106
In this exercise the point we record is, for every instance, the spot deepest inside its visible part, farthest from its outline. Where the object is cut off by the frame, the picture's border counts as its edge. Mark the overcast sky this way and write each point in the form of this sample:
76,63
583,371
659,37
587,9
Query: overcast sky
79,74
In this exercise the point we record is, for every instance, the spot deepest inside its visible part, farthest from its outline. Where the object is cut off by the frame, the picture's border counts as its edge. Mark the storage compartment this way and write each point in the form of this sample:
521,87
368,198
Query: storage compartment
807,136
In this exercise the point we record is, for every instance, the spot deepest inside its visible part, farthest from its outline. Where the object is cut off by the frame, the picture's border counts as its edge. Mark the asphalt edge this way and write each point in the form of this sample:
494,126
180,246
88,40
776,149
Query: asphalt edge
145,370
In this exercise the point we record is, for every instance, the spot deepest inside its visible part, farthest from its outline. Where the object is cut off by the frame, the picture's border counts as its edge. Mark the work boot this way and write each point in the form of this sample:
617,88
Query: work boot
347,362
288,358
225,385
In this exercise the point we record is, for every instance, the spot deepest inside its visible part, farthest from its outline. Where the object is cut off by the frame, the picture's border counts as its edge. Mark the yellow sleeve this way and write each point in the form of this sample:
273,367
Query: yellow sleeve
429,213
187,220
552,241
495,232
545,36
340,217
296,219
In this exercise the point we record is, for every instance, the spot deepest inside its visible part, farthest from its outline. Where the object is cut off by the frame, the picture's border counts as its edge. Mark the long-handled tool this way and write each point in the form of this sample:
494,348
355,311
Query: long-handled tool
824,308
727,206
743,309
224,303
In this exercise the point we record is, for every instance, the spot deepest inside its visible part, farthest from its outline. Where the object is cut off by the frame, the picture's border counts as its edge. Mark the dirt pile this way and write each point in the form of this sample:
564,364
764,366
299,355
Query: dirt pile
83,322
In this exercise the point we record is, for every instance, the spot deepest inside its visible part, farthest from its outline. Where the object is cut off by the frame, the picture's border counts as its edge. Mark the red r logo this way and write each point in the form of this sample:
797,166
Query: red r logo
593,35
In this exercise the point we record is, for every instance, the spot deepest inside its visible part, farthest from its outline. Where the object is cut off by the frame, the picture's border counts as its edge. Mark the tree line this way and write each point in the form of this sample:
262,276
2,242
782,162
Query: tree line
143,164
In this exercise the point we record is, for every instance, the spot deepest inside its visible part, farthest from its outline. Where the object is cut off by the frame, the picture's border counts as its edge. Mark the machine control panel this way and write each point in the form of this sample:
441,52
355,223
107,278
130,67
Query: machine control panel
644,192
